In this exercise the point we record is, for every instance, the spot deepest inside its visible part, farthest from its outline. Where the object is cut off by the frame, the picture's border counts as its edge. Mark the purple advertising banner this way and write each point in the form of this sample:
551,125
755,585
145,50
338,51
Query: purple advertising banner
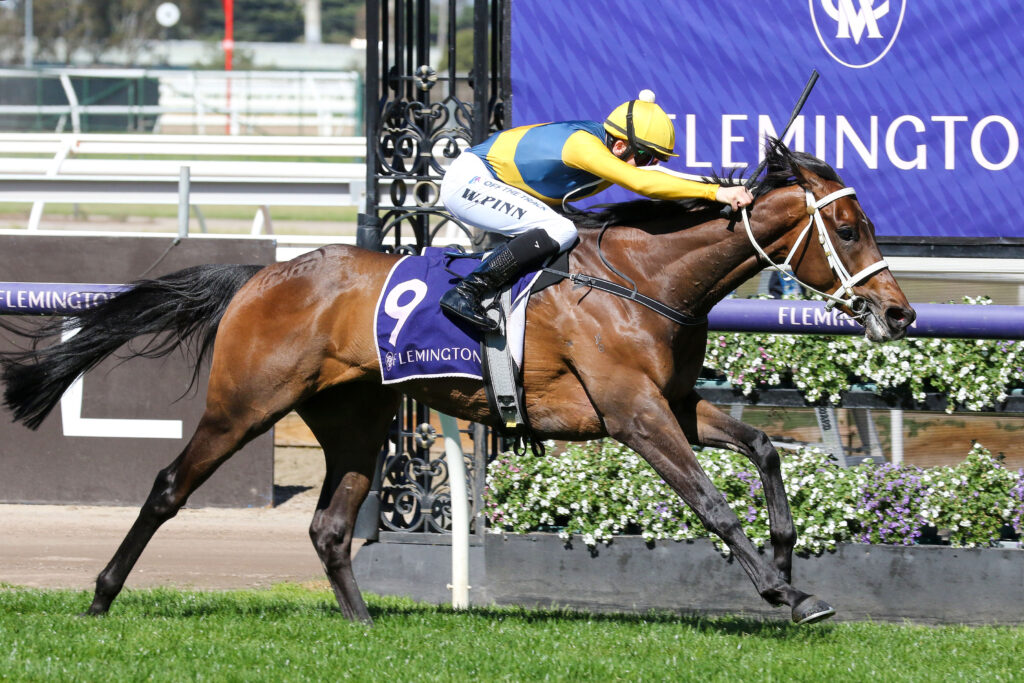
52,297
777,316
919,107
731,315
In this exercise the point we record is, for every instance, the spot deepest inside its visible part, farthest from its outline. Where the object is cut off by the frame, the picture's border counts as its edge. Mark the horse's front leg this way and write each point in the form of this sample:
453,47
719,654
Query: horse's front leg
706,425
644,421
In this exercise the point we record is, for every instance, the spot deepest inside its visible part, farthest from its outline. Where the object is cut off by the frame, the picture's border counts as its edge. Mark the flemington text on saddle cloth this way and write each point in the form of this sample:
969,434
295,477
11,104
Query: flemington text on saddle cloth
415,339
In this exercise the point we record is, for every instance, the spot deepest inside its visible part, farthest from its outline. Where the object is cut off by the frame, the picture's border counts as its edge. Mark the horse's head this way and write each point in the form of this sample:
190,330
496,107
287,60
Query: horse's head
831,245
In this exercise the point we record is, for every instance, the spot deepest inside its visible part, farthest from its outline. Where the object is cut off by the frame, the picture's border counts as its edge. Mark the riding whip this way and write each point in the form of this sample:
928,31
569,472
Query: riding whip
749,183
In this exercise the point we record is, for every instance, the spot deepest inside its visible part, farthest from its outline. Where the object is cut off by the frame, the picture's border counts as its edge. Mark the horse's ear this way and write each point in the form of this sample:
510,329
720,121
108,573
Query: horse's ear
777,156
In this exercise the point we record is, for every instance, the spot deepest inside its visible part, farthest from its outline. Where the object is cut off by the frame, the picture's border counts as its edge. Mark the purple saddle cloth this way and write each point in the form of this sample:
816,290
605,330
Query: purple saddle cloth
415,338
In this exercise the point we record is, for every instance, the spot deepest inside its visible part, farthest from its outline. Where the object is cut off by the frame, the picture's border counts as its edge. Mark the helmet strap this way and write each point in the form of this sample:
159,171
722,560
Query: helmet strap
630,131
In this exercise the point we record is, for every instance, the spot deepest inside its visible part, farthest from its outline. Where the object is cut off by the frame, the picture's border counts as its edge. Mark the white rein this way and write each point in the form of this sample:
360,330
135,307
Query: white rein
847,281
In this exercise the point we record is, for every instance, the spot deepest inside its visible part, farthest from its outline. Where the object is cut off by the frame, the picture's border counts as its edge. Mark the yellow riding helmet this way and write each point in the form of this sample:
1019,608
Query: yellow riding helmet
642,122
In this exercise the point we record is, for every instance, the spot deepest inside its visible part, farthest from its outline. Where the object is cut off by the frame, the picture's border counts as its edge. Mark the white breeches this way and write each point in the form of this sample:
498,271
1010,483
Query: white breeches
477,198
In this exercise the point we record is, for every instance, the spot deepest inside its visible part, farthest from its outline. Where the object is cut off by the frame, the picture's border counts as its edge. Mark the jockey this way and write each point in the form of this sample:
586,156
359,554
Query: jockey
514,182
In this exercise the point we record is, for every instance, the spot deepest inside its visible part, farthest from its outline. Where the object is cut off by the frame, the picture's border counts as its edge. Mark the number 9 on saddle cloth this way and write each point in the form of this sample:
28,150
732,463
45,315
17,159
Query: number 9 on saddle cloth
416,340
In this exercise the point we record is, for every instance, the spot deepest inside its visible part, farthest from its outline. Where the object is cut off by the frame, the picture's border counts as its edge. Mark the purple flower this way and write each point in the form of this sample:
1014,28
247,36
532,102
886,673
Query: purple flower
888,503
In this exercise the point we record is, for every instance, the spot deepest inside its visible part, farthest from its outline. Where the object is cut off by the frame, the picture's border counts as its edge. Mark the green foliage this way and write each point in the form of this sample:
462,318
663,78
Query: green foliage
275,21
599,489
270,20
974,499
463,52
974,374
341,19
62,26
290,633
254,20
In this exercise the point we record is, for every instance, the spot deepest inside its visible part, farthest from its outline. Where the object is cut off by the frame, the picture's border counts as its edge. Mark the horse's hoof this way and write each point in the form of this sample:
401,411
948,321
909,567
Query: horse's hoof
811,609
95,611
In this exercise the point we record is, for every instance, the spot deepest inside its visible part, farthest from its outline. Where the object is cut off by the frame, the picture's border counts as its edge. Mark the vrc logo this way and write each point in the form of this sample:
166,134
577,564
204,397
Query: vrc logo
857,33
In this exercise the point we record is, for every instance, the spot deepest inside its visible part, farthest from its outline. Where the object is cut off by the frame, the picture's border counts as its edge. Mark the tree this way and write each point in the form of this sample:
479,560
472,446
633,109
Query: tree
278,21
342,20
271,20
62,27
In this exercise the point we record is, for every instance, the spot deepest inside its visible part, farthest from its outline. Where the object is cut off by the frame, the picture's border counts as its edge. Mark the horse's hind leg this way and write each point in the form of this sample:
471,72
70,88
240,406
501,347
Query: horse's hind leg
707,425
213,442
351,423
232,418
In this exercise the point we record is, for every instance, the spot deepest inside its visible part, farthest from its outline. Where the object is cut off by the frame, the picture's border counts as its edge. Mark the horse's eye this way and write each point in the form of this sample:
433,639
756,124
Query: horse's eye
846,233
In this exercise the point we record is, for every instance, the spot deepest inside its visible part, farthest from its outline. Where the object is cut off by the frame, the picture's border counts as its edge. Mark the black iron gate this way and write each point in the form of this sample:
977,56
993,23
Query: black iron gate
425,103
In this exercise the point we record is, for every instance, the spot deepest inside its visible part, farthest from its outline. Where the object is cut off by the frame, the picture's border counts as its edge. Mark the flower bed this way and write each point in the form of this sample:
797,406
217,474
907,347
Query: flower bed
976,374
600,489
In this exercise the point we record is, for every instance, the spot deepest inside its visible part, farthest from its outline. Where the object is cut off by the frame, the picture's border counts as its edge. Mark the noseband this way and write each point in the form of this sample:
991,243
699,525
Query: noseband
847,282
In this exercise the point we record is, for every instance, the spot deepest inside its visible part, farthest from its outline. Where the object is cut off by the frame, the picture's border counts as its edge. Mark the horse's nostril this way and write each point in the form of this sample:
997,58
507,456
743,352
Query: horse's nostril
900,317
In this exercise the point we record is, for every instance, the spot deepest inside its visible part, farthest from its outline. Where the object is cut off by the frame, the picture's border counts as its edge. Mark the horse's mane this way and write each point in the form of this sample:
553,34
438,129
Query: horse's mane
782,170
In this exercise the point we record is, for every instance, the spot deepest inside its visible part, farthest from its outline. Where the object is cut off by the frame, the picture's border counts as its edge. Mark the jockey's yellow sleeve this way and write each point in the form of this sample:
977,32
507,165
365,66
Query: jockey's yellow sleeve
553,160
587,153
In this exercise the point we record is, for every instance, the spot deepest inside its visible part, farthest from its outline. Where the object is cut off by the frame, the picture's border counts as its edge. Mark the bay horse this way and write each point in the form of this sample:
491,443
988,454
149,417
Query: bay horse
299,336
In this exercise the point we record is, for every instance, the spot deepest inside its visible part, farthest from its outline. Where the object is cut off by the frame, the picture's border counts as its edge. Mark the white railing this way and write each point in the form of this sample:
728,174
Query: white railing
221,170
113,169
235,102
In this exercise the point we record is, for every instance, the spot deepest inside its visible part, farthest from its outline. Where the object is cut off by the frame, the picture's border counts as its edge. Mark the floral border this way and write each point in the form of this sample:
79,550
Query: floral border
600,489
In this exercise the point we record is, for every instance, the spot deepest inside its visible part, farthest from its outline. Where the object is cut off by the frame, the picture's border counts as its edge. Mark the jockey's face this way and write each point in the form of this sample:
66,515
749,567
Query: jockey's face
644,157
641,157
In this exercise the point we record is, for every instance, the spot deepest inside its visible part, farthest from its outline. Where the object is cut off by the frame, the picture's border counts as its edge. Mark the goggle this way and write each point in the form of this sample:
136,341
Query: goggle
645,157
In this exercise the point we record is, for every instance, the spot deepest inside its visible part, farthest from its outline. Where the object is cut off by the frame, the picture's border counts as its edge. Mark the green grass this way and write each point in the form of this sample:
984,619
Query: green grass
293,633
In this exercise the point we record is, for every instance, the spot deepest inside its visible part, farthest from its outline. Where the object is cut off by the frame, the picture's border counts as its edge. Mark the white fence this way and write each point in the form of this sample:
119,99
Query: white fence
237,170
213,102
222,170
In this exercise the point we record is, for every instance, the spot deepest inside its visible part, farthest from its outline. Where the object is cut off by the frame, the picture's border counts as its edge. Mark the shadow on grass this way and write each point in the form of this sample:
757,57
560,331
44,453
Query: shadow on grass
721,624
291,600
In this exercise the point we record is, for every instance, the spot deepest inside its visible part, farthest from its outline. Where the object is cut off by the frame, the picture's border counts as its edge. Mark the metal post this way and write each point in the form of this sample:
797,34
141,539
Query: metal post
311,14
865,423
481,240
30,38
831,439
74,106
460,511
368,232
480,436
480,25
183,202
896,435
368,229
505,90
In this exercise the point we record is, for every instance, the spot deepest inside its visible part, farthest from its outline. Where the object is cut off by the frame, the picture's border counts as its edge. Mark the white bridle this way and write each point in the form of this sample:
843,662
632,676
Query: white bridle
847,281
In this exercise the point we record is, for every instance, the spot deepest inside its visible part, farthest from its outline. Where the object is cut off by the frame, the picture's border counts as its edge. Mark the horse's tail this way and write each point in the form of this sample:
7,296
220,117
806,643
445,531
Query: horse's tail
180,309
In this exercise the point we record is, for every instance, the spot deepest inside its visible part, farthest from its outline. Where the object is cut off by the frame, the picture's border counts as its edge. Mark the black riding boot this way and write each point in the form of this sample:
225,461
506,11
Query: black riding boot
506,262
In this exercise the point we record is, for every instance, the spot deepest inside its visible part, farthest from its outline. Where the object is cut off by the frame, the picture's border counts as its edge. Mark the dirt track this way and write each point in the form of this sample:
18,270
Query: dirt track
55,546
65,546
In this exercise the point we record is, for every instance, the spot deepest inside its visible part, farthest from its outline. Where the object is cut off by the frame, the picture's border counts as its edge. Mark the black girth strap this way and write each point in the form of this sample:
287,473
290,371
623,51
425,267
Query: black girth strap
581,280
